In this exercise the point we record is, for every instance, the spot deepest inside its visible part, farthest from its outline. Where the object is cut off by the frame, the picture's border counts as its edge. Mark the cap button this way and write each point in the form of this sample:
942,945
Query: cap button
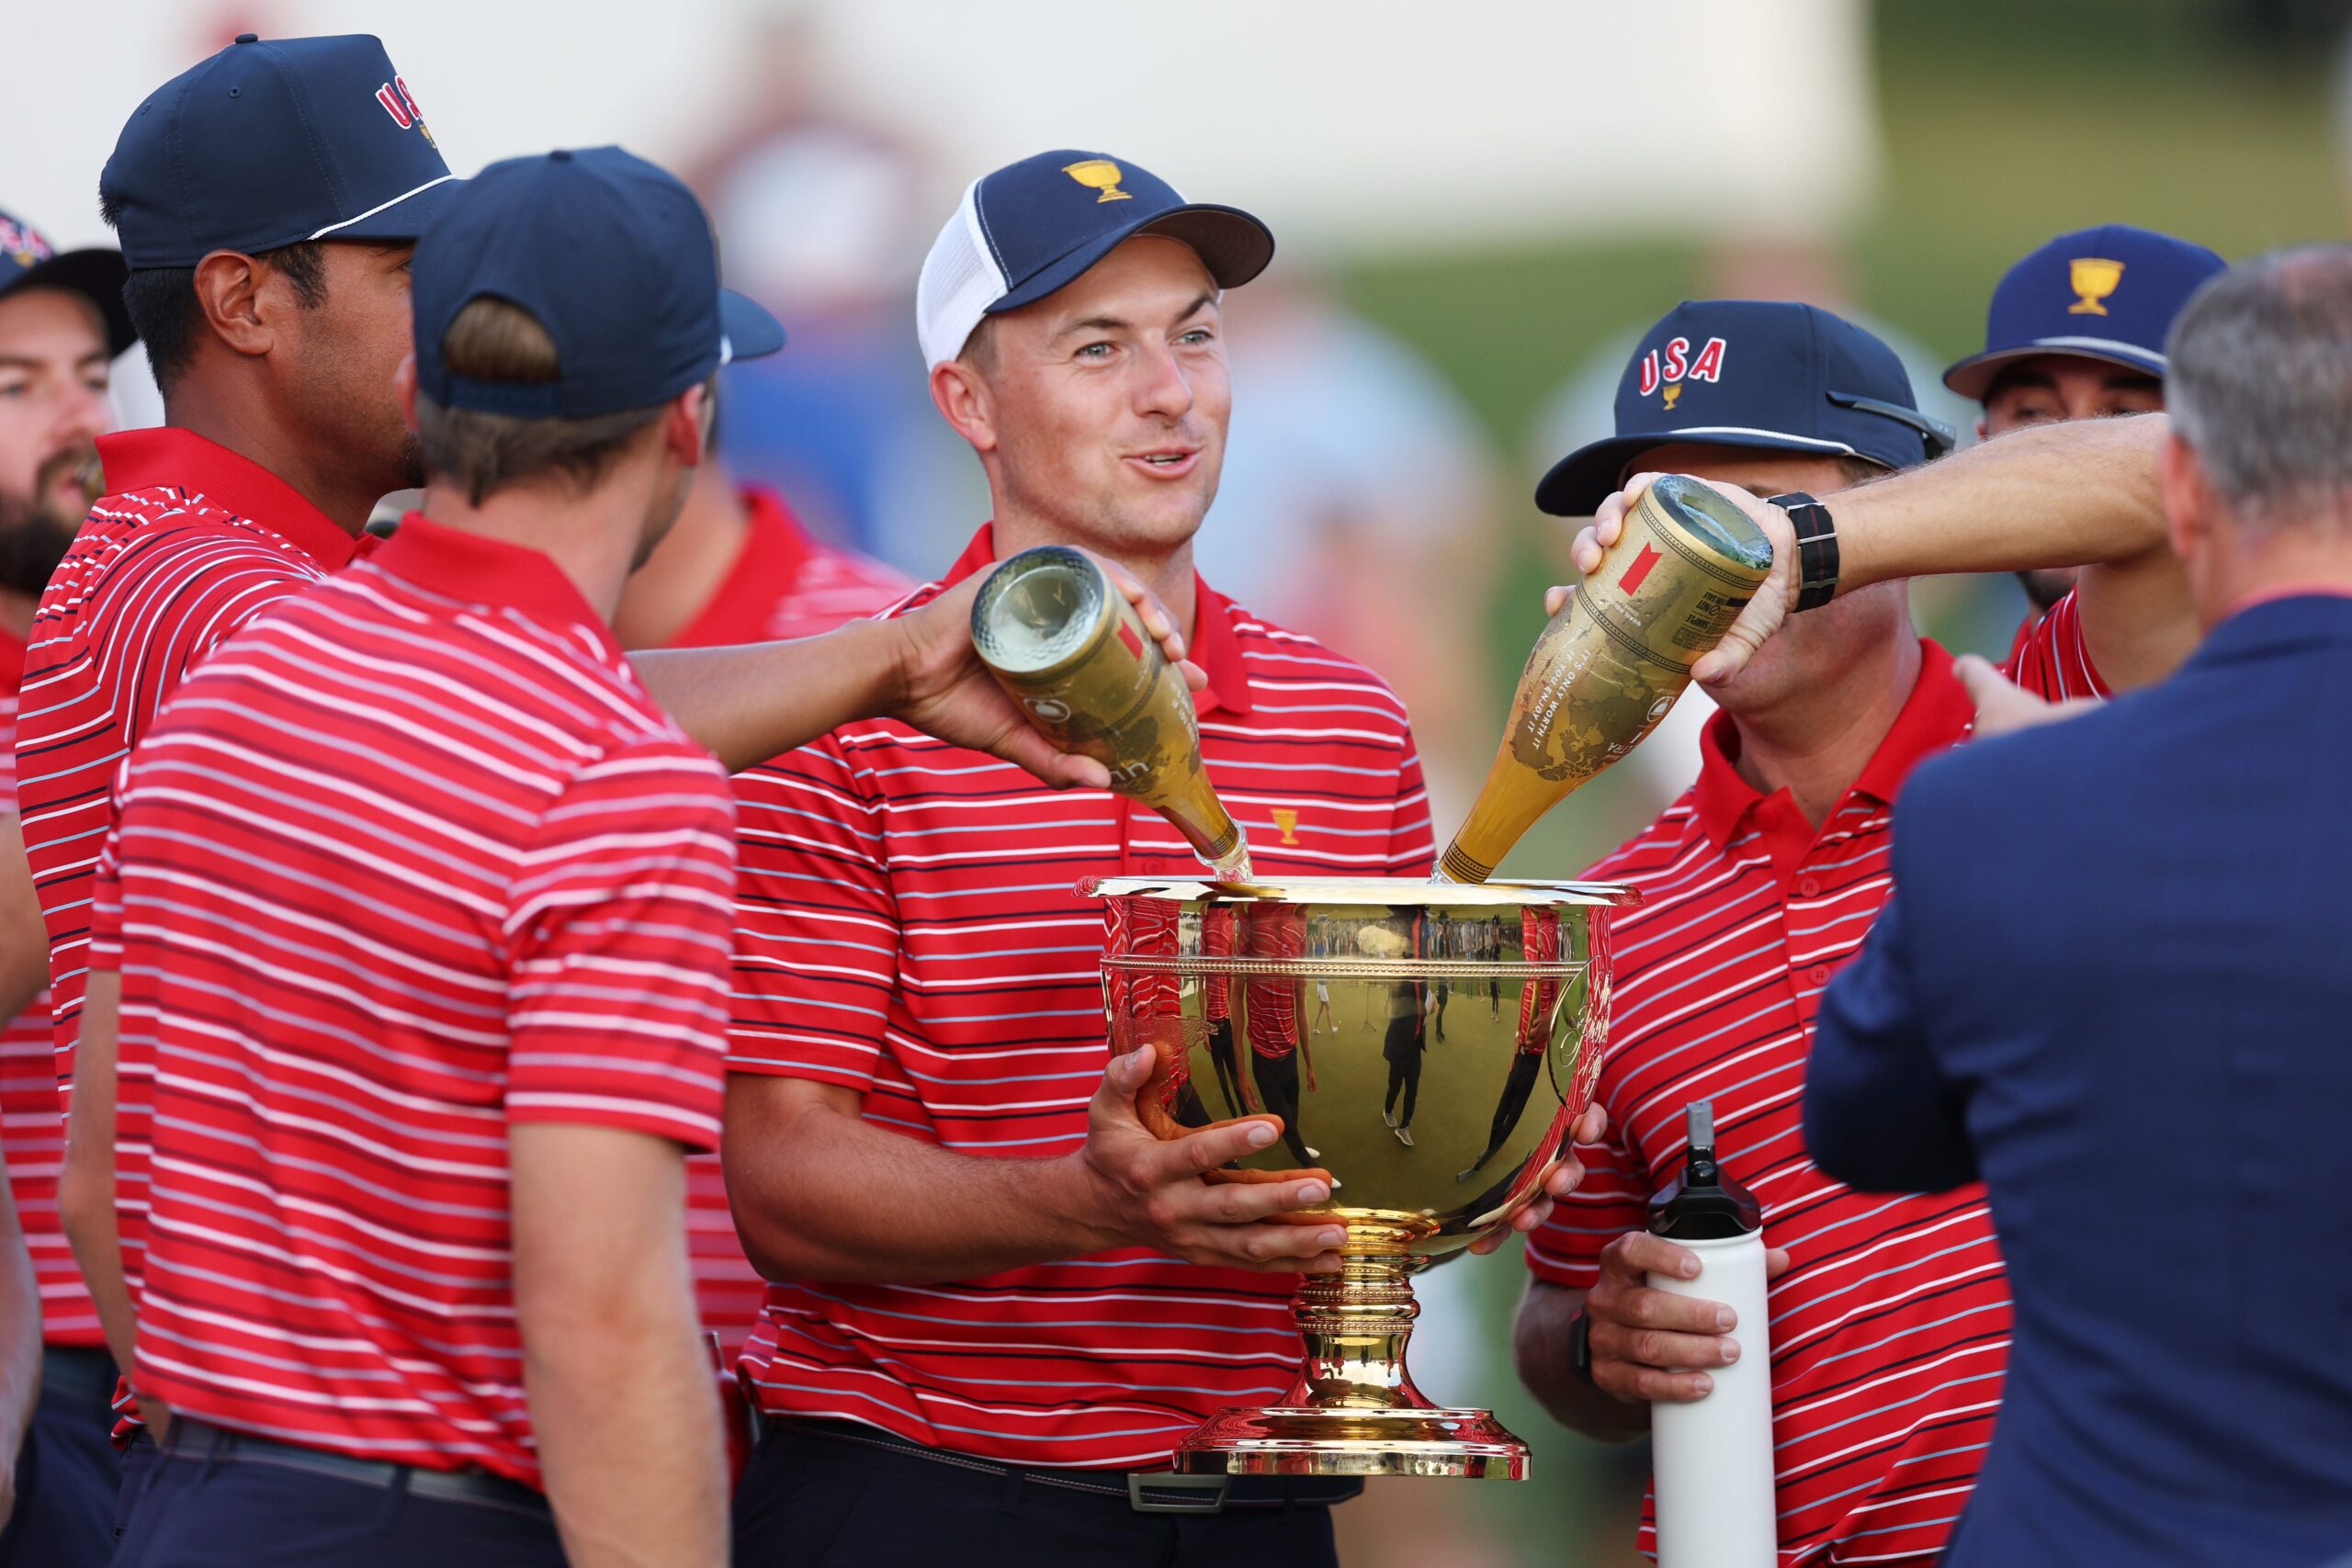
561,154
246,37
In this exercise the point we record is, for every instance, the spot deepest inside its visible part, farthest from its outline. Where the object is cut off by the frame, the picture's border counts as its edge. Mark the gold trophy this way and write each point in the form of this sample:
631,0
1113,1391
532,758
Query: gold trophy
1428,1046
1611,662
1070,648
2093,278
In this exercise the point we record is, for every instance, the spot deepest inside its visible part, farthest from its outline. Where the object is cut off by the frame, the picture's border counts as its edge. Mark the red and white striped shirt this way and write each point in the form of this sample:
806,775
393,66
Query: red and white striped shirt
906,927
2051,658
411,859
786,584
1890,1331
32,1132
191,542
783,583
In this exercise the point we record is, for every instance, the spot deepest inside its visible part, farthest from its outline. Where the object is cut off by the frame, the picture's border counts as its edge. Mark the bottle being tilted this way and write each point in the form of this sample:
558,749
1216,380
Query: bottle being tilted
1070,648
1611,662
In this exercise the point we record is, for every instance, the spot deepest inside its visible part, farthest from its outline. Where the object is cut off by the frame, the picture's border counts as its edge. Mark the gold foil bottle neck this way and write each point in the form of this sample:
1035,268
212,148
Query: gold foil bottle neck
1610,664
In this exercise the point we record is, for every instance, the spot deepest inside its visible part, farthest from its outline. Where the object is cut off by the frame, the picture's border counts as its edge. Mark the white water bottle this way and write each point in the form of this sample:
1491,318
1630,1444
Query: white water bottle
1712,1458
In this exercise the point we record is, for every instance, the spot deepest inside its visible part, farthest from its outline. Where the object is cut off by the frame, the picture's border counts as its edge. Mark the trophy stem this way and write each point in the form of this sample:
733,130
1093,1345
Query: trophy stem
1355,1324
1354,1410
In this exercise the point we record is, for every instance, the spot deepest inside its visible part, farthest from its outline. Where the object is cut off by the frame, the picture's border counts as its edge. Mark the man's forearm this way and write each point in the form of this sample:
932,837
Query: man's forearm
622,1406
823,1195
2079,493
749,704
626,1419
1540,1344
20,1330
24,941
85,1195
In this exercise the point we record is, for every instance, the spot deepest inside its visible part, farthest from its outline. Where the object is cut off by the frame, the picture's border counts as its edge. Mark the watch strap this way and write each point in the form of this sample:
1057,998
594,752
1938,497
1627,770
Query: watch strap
1817,533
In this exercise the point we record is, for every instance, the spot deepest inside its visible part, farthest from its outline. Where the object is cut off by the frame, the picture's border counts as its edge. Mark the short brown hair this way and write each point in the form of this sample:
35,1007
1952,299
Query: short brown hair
493,340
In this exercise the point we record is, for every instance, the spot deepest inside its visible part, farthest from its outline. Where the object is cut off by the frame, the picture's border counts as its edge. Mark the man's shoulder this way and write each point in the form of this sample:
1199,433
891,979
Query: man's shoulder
138,533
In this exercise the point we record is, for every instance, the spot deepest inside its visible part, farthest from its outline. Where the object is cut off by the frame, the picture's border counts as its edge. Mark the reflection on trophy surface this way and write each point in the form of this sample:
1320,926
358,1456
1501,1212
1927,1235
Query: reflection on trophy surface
1326,1003
1067,645
1611,662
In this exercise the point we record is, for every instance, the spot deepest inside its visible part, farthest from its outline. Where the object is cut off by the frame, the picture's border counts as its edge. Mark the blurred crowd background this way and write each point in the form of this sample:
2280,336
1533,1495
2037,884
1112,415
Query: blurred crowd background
1479,208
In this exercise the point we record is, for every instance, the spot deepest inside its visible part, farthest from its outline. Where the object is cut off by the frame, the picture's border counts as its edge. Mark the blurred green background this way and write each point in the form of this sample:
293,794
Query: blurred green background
2005,122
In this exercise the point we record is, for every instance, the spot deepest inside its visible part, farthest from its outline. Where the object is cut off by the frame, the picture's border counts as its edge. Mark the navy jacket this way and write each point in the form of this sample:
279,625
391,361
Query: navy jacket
2115,983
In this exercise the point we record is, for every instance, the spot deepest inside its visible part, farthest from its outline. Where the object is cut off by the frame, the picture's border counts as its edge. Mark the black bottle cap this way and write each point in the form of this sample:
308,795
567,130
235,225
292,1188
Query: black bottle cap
1702,1203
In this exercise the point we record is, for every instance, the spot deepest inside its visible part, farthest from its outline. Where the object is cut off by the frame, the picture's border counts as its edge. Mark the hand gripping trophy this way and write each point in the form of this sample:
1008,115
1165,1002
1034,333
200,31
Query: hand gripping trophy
1433,1131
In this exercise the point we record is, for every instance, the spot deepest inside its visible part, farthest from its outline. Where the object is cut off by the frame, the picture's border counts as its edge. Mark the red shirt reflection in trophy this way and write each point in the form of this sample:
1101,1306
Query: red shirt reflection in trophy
1148,1008
1220,928
1270,1011
1539,1001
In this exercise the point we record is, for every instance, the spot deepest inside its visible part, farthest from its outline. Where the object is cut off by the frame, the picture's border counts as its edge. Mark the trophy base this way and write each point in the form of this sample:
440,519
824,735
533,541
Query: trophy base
1307,1440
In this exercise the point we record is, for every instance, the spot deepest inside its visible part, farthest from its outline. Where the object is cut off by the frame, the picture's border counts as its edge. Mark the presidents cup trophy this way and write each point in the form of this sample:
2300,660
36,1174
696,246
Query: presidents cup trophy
1611,662
1428,1047
1069,647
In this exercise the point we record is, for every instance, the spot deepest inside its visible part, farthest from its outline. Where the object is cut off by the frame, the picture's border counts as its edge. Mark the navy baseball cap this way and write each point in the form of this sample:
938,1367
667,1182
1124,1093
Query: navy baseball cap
612,256
2108,293
29,261
270,143
1762,375
1031,227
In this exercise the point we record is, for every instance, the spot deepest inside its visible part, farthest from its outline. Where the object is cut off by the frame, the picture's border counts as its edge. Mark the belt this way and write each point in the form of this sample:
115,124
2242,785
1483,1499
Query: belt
78,1372
194,1439
1144,1491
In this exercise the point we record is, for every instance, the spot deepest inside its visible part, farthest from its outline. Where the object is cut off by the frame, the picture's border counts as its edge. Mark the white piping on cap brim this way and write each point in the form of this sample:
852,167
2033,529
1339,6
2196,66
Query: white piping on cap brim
2103,345
1814,442
381,207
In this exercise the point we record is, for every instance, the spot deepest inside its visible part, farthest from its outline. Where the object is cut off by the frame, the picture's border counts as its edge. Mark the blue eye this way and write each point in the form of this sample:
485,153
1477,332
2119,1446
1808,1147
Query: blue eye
1096,351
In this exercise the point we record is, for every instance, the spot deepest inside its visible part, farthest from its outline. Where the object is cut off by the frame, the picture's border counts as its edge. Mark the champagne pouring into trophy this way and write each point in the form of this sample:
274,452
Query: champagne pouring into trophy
1432,1139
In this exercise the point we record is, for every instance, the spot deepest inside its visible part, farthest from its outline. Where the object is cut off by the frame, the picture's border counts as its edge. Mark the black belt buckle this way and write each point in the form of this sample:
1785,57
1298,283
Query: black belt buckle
1169,1481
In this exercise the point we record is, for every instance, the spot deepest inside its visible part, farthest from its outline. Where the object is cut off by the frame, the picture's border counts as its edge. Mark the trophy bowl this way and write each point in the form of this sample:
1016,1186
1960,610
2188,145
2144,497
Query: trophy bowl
1428,1046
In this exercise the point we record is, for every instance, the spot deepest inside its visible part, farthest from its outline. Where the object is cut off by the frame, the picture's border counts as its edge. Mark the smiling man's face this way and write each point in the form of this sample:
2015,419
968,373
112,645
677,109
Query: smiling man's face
1108,400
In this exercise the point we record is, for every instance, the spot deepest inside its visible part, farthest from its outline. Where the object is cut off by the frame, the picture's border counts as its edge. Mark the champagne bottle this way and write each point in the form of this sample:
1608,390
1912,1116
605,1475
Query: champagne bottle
1611,662
1070,648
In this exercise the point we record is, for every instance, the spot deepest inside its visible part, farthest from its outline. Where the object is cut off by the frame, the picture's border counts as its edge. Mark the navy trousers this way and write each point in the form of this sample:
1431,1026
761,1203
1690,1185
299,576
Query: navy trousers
239,1510
68,1474
809,1502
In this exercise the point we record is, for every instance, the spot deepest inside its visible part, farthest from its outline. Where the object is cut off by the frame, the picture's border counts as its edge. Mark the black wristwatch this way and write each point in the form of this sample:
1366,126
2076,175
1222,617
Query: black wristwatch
1817,547
1580,1345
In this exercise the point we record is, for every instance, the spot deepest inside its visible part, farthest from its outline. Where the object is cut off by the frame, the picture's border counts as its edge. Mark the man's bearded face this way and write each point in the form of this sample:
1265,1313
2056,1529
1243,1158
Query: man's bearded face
36,529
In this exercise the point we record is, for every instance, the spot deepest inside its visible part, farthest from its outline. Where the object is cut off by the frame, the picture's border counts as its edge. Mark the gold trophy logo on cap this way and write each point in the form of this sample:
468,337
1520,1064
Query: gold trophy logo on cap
2094,279
1101,174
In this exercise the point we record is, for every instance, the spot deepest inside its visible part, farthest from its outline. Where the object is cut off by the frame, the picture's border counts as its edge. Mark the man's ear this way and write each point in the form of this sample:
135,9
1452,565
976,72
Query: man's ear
963,400
682,426
405,389
2189,497
227,291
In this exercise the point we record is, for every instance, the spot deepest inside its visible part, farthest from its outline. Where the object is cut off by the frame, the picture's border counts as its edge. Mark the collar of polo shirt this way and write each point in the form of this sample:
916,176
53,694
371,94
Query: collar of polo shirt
1211,645
1935,716
145,460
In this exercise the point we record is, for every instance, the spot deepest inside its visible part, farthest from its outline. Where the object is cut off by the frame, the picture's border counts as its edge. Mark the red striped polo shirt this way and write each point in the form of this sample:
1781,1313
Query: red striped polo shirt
787,583
1891,1329
412,858
784,583
2051,658
906,927
32,1132
190,543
